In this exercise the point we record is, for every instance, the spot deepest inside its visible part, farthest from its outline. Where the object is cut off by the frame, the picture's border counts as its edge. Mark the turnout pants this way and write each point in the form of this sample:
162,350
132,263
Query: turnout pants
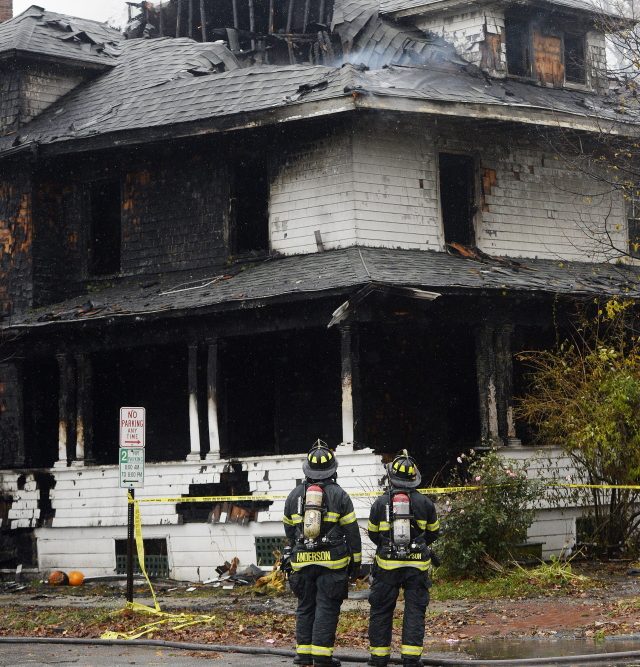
384,594
320,592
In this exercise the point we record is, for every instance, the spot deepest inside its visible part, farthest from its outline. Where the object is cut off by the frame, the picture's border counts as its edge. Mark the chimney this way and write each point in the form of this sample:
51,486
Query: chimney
6,10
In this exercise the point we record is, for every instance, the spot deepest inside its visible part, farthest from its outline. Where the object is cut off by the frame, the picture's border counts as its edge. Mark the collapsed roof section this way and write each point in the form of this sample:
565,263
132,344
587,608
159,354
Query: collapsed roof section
204,87
336,272
46,35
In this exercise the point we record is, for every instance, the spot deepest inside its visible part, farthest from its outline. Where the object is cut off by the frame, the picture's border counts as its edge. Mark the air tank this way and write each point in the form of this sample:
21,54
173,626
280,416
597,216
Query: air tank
401,520
313,512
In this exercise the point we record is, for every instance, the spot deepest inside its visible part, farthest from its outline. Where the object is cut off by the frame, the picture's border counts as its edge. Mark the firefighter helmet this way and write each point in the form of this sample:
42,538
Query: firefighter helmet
321,462
403,472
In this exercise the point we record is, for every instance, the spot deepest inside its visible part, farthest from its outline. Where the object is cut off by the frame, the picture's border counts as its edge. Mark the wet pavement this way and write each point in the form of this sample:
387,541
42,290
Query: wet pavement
475,653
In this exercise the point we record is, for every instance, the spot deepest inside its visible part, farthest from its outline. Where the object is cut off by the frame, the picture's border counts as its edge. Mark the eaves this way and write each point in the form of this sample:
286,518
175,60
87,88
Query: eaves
209,126
529,115
43,58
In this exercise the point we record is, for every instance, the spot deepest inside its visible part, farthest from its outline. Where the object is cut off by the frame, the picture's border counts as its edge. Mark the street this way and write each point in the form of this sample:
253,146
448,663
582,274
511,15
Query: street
37,655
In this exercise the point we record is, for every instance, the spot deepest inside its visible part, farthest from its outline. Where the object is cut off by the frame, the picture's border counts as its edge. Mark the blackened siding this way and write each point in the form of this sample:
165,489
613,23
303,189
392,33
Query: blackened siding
174,217
16,236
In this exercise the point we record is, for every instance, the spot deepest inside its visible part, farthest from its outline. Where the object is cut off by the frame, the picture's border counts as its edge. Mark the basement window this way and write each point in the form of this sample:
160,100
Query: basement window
105,226
457,197
156,559
249,205
574,61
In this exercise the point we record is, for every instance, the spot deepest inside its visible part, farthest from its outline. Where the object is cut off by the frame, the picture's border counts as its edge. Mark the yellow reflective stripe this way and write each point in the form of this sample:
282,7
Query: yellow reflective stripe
380,650
322,650
422,524
286,520
331,517
373,527
296,518
385,525
395,564
303,648
333,514
331,564
434,526
357,557
347,519
405,649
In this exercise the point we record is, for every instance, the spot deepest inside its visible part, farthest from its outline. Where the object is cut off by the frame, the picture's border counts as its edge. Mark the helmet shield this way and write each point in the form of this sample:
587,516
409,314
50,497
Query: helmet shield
321,462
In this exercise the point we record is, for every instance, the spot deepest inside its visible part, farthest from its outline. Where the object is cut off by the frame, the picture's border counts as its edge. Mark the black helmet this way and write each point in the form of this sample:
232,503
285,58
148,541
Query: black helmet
321,462
403,472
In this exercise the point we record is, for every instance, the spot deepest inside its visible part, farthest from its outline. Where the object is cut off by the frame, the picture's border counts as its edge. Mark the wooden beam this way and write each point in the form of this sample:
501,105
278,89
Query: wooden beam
252,23
190,19
203,20
290,17
306,15
321,12
271,15
161,20
236,24
179,19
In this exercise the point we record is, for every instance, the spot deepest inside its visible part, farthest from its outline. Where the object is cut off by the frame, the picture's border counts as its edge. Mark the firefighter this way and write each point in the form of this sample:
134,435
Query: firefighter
402,525
325,547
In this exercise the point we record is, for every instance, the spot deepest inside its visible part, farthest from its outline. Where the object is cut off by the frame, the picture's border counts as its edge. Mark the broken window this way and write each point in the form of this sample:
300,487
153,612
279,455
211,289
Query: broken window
156,558
457,197
41,388
105,227
249,204
633,223
574,61
518,46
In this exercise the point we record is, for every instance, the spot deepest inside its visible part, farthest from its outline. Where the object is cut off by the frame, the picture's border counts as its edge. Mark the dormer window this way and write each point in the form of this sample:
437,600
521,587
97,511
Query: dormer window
544,51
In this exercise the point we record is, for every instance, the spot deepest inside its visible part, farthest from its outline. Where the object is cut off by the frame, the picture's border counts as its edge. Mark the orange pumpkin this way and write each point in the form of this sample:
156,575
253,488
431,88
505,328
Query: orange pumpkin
76,578
58,578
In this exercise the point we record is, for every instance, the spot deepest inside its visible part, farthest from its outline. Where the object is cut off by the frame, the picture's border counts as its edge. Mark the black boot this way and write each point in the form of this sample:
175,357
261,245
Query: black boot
375,661
326,662
412,662
304,660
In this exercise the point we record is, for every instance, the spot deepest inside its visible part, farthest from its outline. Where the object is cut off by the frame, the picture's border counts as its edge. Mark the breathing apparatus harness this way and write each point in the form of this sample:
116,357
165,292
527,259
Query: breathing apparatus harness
398,515
312,534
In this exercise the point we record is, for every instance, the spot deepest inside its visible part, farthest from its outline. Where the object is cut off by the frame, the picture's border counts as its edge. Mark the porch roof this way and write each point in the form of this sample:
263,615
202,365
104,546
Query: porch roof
327,273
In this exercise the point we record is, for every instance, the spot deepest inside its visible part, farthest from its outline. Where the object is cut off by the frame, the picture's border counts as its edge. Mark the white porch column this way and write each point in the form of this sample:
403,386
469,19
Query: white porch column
194,424
350,385
212,401
66,396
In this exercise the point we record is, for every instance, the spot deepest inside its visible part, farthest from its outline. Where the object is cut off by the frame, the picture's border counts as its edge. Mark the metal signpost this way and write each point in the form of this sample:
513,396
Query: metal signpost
132,428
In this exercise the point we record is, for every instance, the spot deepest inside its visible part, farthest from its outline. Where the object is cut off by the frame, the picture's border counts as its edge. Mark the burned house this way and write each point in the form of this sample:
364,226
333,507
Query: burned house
339,221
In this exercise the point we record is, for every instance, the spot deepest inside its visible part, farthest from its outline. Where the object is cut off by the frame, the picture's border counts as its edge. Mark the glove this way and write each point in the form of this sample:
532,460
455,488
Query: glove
285,560
435,560
354,570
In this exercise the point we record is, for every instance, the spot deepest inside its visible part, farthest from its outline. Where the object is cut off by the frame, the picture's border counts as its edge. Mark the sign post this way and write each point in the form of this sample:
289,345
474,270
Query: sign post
131,461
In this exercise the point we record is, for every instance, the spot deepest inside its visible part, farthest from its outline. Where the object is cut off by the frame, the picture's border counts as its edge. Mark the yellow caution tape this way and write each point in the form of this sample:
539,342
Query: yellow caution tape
137,523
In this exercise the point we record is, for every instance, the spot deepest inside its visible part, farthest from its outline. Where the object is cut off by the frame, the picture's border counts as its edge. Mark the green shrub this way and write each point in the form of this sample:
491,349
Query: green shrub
481,527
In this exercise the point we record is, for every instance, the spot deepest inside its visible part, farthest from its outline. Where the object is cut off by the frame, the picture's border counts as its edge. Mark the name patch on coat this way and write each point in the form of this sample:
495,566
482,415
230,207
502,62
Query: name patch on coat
312,556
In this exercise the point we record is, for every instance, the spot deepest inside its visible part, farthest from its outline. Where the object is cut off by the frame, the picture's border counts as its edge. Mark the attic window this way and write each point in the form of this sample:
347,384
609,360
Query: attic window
249,204
574,61
457,197
105,226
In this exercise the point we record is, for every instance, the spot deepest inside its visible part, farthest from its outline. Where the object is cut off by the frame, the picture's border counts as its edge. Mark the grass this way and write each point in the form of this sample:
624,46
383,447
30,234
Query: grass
550,579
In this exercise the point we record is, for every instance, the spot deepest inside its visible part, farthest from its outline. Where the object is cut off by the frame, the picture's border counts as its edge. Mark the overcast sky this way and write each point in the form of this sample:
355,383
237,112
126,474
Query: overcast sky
99,10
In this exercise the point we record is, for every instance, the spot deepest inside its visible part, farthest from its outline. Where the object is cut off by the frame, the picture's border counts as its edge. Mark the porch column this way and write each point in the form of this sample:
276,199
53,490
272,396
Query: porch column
194,424
212,401
351,395
486,374
504,367
66,408
494,367
84,411
12,445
